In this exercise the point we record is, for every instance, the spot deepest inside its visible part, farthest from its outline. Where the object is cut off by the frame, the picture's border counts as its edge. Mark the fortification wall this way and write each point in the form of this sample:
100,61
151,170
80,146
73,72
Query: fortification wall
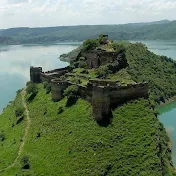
96,58
102,94
37,76
58,70
106,97
129,92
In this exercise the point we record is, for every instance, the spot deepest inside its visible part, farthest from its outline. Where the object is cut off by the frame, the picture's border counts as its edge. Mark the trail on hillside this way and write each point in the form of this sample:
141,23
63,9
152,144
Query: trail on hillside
28,122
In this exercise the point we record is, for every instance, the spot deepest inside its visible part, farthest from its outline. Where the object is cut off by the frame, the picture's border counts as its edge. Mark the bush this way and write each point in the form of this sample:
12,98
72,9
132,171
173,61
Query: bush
75,80
47,86
32,91
118,47
19,119
90,44
102,72
71,92
25,162
19,111
2,137
102,39
82,64
60,110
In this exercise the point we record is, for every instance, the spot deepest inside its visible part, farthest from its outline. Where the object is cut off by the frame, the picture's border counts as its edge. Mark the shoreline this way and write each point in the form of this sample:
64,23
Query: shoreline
168,101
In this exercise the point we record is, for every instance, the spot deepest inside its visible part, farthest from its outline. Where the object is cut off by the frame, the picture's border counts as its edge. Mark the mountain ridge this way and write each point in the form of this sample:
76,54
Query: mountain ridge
159,30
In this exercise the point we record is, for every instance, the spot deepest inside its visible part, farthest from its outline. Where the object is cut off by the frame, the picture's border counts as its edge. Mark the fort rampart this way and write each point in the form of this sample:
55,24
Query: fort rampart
102,94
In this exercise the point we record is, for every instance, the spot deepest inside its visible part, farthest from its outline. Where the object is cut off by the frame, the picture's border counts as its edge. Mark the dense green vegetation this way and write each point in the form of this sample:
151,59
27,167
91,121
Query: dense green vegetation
71,143
164,30
158,71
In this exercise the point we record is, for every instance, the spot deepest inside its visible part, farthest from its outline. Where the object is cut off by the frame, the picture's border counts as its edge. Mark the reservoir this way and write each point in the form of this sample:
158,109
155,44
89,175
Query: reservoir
16,61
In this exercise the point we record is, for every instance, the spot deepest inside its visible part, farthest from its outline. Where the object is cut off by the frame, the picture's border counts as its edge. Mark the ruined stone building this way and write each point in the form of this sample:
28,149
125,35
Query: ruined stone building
103,95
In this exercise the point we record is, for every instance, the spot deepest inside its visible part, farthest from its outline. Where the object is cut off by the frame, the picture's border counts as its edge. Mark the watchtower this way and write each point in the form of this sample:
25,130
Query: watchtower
35,74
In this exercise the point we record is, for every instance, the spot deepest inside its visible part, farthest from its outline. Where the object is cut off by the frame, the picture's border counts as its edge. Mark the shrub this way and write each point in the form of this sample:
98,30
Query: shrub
102,39
71,92
2,137
82,64
84,71
102,72
25,162
60,110
32,91
90,44
75,80
19,111
45,83
18,91
47,86
118,47
19,120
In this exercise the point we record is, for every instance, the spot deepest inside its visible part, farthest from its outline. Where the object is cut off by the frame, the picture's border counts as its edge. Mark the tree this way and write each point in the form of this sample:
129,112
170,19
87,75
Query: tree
71,92
90,44
19,111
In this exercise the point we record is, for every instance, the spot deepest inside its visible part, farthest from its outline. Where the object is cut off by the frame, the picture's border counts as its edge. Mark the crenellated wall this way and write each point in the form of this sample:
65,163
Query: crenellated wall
37,76
102,94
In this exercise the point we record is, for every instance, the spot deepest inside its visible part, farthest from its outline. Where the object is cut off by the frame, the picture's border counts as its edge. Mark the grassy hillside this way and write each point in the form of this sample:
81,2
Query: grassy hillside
12,133
71,143
164,30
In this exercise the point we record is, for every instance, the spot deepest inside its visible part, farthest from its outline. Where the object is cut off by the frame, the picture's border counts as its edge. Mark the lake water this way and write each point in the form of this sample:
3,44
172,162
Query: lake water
165,48
16,62
168,118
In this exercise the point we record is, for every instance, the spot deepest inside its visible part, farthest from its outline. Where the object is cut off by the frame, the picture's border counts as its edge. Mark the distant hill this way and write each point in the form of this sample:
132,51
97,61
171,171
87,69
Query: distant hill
159,30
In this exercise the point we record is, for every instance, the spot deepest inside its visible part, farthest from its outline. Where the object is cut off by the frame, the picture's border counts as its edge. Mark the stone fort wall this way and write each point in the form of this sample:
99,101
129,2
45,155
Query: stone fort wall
96,58
103,95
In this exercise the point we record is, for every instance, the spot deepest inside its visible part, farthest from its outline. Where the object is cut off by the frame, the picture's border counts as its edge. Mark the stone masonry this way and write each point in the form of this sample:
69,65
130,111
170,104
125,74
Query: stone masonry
103,95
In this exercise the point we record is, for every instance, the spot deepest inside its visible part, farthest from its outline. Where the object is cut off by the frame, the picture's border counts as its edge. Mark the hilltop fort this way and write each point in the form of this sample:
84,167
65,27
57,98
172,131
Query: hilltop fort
102,93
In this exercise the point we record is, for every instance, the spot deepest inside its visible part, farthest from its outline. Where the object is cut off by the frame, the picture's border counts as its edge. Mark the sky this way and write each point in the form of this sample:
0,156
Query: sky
44,13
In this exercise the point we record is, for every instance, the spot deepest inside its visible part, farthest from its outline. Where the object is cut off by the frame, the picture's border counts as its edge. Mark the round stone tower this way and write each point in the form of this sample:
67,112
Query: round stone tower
57,89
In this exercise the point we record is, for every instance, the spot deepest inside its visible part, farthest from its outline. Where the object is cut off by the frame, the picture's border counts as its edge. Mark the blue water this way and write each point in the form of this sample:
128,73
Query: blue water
168,118
165,48
15,62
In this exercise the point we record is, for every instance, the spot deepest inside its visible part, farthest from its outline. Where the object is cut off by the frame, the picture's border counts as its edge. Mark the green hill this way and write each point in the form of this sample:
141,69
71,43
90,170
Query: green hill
161,30
66,140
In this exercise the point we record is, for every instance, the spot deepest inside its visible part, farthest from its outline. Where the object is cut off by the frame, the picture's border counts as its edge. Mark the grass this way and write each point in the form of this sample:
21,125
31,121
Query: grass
13,133
72,143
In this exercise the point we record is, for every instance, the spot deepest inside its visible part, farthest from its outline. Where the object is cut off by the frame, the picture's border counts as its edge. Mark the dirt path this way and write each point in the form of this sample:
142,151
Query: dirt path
28,122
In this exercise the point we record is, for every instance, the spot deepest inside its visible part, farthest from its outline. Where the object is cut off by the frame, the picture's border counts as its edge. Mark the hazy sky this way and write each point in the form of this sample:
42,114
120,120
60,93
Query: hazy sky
34,13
